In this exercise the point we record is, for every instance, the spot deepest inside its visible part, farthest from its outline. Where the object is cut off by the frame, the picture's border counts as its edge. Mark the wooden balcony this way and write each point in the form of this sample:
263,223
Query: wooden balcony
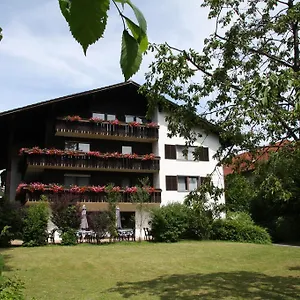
155,197
85,162
106,130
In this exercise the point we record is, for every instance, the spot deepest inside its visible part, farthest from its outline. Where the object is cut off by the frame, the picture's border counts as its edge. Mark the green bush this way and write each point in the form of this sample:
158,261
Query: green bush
69,238
169,222
65,214
239,231
199,222
35,225
11,222
11,289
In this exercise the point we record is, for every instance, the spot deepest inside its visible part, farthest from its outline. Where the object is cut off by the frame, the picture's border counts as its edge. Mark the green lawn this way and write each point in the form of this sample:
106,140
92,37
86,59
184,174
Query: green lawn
187,270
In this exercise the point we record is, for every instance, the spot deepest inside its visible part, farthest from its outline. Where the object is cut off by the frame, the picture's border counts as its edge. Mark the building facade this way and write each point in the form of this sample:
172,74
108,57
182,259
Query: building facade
76,146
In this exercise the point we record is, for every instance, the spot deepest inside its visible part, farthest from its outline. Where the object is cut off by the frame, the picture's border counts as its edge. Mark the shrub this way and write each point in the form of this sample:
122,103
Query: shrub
11,222
11,289
65,214
69,237
99,223
199,224
239,231
169,222
35,225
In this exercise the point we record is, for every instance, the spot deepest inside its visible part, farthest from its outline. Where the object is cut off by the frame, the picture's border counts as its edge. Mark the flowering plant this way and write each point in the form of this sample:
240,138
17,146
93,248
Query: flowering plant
76,153
96,120
130,190
74,189
56,188
152,124
114,122
72,118
150,156
134,124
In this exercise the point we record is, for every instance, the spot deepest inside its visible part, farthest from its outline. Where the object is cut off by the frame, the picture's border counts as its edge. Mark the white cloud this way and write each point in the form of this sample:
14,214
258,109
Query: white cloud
40,59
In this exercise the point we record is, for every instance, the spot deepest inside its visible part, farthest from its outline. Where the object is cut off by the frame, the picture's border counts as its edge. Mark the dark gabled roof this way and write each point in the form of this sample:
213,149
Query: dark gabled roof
213,128
60,99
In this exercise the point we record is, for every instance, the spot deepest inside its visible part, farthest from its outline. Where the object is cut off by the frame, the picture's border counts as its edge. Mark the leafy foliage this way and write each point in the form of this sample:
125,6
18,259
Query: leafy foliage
238,231
11,289
11,221
35,225
65,214
100,224
87,21
239,193
276,204
245,80
68,237
169,222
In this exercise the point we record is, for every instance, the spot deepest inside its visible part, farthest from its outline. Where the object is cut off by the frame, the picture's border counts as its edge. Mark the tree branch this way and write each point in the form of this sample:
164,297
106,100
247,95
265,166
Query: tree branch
263,53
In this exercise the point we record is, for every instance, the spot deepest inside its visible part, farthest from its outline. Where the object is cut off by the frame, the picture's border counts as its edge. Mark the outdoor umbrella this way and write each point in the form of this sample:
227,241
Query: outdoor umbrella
118,218
84,223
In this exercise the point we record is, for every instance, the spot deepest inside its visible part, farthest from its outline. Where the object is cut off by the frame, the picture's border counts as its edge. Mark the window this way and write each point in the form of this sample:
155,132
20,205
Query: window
193,183
190,153
126,150
110,117
99,116
74,179
182,183
202,153
170,152
130,118
77,146
171,183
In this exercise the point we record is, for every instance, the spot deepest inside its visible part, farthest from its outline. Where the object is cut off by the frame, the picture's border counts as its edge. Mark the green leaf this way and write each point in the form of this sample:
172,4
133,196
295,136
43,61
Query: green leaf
139,16
87,20
138,34
65,6
131,56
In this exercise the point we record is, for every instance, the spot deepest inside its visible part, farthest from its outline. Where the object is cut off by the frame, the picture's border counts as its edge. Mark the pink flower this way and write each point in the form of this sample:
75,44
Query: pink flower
36,186
134,124
97,189
114,122
72,118
56,188
150,156
20,187
133,189
152,124
96,120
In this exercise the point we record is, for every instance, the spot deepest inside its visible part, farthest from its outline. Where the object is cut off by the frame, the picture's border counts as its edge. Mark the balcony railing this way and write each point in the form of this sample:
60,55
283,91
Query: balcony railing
155,196
93,163
106,130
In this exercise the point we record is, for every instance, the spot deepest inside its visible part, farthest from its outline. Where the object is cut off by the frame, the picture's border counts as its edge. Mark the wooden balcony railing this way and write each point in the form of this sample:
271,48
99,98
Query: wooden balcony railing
155,197
106,130
93,163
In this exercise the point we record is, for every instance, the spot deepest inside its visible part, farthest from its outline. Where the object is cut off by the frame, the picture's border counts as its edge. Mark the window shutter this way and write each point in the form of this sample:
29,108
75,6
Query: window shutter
171,183
204,154
170,152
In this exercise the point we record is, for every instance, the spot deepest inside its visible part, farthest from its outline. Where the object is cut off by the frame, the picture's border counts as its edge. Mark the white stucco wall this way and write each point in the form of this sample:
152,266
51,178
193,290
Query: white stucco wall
173,167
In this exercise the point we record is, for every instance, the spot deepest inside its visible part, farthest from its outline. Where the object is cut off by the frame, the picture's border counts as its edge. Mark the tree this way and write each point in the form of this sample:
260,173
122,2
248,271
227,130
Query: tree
245,80
141,198
66,214
87,21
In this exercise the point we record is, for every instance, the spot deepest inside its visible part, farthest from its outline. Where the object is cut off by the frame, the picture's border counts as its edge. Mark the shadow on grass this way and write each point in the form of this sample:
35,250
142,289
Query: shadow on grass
295,268
235,285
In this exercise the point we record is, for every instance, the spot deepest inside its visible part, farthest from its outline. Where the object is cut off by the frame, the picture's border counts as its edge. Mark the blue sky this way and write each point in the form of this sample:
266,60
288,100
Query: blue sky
40,60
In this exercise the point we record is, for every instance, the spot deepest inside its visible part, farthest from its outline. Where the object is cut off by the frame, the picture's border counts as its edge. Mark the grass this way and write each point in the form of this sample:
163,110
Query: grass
186,270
